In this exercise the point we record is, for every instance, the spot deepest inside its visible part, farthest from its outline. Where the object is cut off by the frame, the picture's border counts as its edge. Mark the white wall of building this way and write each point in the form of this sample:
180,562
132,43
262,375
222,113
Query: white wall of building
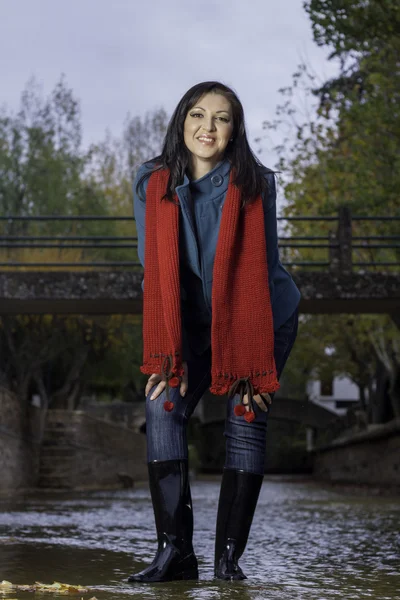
343,390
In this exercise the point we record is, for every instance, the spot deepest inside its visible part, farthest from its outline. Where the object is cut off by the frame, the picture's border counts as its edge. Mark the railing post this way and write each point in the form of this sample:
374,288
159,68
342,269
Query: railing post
345,239
9,231
310,439
334,258
340,252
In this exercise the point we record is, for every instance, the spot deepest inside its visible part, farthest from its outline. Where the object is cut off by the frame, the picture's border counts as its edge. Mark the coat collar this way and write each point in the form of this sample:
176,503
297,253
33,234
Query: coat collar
211,185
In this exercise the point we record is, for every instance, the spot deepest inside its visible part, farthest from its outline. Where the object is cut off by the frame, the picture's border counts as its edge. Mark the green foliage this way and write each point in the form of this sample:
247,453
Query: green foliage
117,357
344,149
142,137
41,160
62,357
44,170
116,160
353,26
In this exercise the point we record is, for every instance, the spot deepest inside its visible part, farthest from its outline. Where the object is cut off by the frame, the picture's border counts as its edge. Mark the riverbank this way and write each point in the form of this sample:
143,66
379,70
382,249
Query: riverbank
370,457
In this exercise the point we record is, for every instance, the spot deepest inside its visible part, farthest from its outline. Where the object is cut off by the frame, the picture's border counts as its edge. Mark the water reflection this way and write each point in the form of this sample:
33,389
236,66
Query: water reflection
307,543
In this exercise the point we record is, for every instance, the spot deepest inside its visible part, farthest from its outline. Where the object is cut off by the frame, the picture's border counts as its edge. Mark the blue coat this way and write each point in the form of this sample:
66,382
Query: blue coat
201,203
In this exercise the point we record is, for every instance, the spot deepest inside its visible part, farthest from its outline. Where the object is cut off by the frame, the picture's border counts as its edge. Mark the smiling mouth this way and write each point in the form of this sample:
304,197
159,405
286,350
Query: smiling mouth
206,140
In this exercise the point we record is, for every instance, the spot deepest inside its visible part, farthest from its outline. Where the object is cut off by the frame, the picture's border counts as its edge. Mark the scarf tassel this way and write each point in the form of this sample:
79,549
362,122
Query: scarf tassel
171,379
244,387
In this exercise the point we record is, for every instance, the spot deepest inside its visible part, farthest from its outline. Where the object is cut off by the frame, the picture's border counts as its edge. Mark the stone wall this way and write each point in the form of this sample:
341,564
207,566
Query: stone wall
371,457
120,292
19,452
80,451
286,450
126,414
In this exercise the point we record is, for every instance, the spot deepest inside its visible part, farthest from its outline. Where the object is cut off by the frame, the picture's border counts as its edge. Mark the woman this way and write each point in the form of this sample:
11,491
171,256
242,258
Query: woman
219,311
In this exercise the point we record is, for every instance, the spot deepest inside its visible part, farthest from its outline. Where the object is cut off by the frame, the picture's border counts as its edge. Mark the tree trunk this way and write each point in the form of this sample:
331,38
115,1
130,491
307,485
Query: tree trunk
396,319
395,391
379,407
363,401
61,396
44,404
75,395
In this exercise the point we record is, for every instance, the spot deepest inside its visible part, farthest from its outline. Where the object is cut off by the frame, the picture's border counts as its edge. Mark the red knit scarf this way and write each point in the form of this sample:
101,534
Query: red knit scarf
242,334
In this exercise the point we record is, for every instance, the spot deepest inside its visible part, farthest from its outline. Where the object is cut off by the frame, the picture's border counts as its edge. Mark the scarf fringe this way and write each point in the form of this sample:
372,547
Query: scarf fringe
262,384
150,367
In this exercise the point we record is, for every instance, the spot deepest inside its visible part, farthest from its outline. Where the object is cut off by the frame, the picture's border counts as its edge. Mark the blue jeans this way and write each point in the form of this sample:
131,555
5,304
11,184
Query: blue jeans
245,442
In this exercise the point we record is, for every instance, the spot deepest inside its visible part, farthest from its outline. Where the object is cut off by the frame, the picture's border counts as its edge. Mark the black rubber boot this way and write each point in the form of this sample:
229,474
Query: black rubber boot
237,503
172,504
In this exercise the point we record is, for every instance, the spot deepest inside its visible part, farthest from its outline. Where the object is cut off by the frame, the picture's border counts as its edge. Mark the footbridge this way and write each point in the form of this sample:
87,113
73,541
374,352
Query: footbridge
88,264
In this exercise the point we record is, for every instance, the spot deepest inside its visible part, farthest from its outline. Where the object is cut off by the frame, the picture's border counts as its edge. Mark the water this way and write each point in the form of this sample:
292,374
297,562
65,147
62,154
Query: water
307,543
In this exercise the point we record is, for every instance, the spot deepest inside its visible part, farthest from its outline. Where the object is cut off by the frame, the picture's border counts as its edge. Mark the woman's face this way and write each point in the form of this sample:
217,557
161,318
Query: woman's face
208,128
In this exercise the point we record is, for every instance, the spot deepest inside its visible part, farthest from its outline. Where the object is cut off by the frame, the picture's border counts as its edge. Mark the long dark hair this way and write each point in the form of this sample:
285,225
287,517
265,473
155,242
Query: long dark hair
175,156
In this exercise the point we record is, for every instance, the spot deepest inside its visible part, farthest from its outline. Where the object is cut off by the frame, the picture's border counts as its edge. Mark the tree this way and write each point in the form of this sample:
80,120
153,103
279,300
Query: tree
60,357
345,150
45,171
115,162
143,137
42,163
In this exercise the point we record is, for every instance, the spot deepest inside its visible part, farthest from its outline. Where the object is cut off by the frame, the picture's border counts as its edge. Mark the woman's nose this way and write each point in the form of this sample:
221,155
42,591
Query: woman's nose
208,124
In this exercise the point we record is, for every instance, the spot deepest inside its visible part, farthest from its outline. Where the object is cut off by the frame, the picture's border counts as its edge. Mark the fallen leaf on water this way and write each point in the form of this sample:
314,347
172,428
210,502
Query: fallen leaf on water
59,588
7,586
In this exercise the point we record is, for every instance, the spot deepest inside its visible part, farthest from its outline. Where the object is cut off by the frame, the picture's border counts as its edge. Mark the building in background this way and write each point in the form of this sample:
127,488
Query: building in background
336,394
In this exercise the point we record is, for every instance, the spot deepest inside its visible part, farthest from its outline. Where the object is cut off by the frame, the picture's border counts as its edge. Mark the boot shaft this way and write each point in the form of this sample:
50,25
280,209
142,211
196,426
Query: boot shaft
237,503
172,503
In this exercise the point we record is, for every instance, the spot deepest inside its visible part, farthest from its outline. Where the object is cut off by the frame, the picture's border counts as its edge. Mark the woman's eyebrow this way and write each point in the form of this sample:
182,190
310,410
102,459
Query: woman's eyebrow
217,112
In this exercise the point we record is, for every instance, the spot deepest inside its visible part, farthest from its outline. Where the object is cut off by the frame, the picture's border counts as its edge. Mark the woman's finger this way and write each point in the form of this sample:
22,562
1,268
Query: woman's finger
185,380
159,389
262,401
152,381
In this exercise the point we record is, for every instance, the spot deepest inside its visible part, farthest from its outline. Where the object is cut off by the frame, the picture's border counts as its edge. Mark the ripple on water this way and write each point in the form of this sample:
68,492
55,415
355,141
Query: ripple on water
307,542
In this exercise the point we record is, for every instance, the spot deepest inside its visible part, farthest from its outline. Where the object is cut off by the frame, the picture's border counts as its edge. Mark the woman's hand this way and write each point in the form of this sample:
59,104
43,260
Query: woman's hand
262,401
157,379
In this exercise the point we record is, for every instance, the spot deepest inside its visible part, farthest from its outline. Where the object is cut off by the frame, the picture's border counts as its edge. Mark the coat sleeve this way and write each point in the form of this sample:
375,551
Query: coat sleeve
139,211
271,229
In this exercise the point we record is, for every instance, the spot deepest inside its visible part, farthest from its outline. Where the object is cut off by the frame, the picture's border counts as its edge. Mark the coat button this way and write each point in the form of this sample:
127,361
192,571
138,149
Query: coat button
217,180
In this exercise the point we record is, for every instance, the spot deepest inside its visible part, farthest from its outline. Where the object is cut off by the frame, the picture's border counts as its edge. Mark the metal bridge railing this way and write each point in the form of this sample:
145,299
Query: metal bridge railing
94,241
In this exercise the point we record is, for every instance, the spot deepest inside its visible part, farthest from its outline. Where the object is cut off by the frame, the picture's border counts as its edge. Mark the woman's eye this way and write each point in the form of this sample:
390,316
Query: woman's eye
200,115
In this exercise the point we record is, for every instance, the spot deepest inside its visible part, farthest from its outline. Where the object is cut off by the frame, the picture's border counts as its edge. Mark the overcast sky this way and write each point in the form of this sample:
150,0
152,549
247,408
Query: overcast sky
137,55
